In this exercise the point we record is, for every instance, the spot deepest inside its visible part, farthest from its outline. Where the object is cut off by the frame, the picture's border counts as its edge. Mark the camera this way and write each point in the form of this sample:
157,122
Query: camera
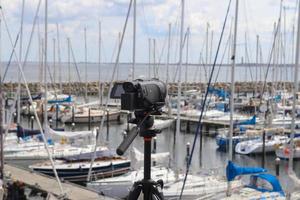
140,95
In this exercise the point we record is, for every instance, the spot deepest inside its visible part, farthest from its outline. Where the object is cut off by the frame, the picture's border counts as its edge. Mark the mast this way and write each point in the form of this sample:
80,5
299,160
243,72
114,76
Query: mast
20,57
187,59
232,89
59,58
180,66
85,65
154,58
206,48
211,46
256,69
54,60
168,62
149,66
291,156
134,38
69,64
168,54
99,64
45,67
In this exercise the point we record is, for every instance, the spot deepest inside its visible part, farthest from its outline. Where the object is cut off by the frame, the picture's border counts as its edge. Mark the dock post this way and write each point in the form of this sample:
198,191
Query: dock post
188,128
73,114
28,116
73,126
56,115
42,116
277,165
50,123
107,124
188,146
32,119
89,119
263,150
15,117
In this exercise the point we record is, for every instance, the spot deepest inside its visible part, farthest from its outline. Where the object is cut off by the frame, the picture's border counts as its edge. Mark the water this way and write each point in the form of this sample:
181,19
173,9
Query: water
212,160
195,73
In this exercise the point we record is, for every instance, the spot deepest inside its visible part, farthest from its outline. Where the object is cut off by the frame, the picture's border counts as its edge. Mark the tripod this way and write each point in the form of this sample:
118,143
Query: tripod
149,187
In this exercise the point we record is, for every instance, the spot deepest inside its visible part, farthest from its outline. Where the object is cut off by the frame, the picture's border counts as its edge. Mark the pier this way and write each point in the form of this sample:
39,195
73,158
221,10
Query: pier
50,185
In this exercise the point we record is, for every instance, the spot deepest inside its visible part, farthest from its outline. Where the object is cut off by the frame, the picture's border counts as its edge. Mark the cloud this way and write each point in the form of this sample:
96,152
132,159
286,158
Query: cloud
256,17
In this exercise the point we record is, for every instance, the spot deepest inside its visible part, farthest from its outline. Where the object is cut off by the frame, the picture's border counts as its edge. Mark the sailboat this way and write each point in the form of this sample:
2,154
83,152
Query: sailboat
261,186
196,185
256,146
107,165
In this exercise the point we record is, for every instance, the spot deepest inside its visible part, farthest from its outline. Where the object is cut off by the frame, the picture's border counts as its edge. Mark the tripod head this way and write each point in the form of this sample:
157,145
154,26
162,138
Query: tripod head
144,122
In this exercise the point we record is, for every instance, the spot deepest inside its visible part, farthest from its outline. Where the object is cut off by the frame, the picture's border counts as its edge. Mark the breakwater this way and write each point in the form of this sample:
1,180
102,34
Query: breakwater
93,87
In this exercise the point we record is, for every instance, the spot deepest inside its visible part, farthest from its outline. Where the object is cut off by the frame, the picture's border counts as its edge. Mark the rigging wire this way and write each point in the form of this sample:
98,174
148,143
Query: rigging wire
31,101
10,58
109,89
270,60
199,126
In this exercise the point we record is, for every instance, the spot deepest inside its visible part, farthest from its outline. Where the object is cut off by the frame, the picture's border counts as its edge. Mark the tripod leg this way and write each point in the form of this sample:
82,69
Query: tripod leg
135,191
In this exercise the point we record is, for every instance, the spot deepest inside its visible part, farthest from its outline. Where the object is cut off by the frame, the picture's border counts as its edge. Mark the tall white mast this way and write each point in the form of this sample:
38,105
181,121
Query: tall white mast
168,62
99,64
134,38
180,66
149,67
20,57
154,58
54,61
290,169
168,54
85,65
256,69
59,58
232,88
187,59
69,64
45,66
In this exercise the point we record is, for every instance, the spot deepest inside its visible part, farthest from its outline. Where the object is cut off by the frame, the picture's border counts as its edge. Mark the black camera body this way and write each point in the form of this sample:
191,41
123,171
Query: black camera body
140,95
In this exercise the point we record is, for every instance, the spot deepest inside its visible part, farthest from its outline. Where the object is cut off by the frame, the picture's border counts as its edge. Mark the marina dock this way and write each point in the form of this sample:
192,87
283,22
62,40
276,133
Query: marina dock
50,185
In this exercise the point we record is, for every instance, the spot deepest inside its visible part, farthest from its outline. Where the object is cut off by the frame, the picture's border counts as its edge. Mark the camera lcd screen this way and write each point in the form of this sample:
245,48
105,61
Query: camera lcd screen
117,91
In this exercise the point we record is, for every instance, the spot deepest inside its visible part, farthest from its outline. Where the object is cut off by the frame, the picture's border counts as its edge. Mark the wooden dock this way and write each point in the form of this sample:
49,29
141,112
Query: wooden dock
50,184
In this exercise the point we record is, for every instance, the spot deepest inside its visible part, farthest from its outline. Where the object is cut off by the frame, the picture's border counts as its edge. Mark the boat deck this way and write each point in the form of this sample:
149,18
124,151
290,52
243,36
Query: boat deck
50,185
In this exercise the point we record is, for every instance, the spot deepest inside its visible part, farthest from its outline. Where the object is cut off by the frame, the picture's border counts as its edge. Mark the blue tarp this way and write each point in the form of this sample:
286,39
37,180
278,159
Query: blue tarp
251,121
233,170
276,187
219,92
66,100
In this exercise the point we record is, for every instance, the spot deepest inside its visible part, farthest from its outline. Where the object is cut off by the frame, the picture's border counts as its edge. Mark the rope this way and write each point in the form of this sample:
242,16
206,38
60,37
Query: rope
199,126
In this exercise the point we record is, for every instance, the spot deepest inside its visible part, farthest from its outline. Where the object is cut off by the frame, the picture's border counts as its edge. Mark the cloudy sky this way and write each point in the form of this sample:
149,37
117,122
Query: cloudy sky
256,17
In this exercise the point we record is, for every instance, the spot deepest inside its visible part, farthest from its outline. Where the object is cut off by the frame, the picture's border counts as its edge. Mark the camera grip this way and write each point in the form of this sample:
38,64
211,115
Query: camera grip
127,141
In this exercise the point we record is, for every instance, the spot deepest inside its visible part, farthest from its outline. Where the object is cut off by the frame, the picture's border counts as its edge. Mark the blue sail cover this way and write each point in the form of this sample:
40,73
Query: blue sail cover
251,121
233,170
219,92
276,187
66,100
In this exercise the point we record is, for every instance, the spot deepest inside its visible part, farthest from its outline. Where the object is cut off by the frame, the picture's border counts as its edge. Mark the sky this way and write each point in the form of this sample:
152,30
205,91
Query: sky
256,17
